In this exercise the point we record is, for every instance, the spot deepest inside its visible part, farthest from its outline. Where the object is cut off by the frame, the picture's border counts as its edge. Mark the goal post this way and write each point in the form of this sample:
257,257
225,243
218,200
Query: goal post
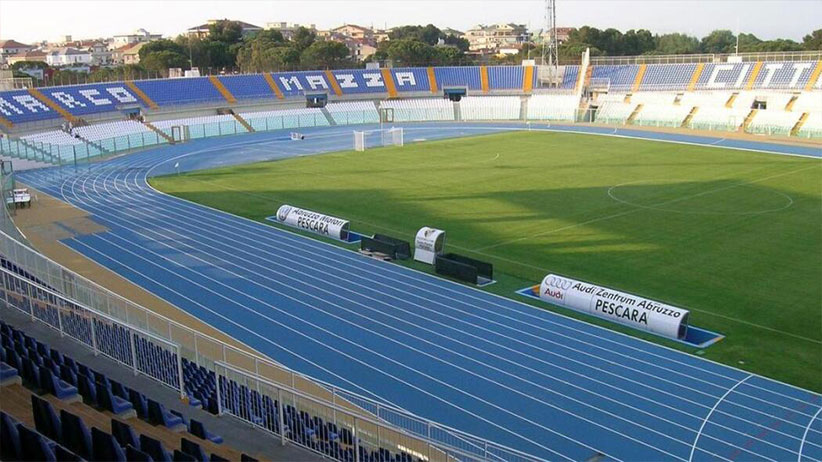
368,139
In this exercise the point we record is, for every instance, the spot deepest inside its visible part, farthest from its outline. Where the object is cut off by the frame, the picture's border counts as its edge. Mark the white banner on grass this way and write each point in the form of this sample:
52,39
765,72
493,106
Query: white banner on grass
614,305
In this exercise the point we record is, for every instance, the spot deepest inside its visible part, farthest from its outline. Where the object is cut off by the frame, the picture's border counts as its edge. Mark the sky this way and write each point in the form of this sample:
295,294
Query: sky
33,20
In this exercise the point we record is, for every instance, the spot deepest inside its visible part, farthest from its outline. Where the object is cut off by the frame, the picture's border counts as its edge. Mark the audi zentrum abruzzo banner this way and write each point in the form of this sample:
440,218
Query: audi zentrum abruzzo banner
614,305
314,222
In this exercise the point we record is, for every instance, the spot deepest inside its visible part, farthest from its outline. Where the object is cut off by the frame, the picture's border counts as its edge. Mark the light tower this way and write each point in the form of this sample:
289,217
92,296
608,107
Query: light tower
550,48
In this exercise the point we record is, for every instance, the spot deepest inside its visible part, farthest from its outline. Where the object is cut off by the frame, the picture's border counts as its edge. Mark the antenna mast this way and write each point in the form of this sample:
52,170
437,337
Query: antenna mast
550,48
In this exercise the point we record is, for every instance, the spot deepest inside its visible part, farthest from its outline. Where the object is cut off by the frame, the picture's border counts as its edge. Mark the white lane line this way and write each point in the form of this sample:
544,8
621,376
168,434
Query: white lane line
702,427
805,435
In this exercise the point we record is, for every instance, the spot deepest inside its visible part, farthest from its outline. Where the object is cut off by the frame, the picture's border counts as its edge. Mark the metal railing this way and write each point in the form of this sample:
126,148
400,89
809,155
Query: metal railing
707,58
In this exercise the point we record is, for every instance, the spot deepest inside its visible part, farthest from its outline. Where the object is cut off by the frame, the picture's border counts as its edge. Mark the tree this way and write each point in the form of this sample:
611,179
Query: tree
160,61
458,42
676,44
409,52
718,41
813,41
225,31
448,56
160,45
325,55
638,42
303,38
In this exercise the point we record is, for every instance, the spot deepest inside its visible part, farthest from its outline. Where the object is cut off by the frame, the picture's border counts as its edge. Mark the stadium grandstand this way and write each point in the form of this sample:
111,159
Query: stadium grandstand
89,374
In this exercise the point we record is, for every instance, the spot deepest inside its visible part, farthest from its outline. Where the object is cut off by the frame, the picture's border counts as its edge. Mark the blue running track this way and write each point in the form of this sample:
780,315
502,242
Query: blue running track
526,378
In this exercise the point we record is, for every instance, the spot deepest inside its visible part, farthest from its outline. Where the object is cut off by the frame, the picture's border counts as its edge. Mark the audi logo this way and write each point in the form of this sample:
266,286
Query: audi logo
558,282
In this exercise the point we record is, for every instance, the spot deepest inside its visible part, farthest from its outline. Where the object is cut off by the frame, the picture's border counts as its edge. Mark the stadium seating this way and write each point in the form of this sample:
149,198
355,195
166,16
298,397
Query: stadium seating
121,128
285,118
460,77
420,109
773,122
612,108
247,87
620,78
353,112
490,108
569,77
553,107
190,90
667,77
506,77
57,137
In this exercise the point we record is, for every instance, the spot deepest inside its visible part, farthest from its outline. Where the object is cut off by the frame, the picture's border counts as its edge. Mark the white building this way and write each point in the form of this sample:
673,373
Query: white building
68,57
138,36
492,38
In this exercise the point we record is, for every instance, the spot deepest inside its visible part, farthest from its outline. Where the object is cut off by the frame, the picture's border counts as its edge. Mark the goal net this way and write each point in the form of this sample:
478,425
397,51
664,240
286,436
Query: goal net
375,138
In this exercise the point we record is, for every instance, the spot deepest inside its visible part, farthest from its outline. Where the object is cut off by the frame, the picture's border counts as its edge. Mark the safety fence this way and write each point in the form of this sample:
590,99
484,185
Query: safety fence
157,346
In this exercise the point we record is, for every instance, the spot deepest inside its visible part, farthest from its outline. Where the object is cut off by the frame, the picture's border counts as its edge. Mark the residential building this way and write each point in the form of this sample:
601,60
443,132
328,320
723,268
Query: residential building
289,29
127,54
138,36
203,30
29,56
11,48
354,31
67,56
490,38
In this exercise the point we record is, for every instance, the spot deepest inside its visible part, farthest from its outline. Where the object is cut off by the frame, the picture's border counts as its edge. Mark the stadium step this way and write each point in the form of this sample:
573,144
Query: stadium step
634,114
273,85
222,89
695,76
328,116
638,79
687,121
86,140
244,122
814,76
588,72
6,123
730,102
754,73
748,119
789,106
799,124
627,98
141,94
156,130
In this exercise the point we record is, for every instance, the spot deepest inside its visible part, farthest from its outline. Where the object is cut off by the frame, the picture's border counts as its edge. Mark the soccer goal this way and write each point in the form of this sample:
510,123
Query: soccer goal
375,138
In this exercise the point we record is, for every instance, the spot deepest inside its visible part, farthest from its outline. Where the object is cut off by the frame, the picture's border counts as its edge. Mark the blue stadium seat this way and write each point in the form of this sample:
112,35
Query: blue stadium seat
34,446
198,429
45,419
158,415
135,455
87,389
124,434
139,402
7,373
76,436
54,385
110,402
105,447
154,448
193,449
65,455
180,456
11,448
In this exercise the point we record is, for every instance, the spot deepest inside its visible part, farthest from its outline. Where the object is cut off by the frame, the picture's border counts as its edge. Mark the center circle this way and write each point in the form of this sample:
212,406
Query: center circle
697,198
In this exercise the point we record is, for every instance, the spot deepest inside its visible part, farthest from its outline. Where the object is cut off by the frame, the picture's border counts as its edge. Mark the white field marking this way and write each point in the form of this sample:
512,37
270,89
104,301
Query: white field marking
296,331
192,255
671,201
770,391
389,268
157,216
698,212
805,435
497,333
178,264
135,182
702,427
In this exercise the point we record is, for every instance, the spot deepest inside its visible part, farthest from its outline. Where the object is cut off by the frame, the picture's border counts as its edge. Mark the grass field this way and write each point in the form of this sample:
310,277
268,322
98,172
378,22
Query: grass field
734,236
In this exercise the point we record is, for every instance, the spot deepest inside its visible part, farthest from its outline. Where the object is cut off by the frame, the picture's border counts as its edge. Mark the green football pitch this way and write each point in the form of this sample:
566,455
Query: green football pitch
734,236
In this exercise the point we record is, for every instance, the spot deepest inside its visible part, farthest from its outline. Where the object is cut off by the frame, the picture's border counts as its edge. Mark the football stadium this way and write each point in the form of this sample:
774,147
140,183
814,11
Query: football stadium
558,255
